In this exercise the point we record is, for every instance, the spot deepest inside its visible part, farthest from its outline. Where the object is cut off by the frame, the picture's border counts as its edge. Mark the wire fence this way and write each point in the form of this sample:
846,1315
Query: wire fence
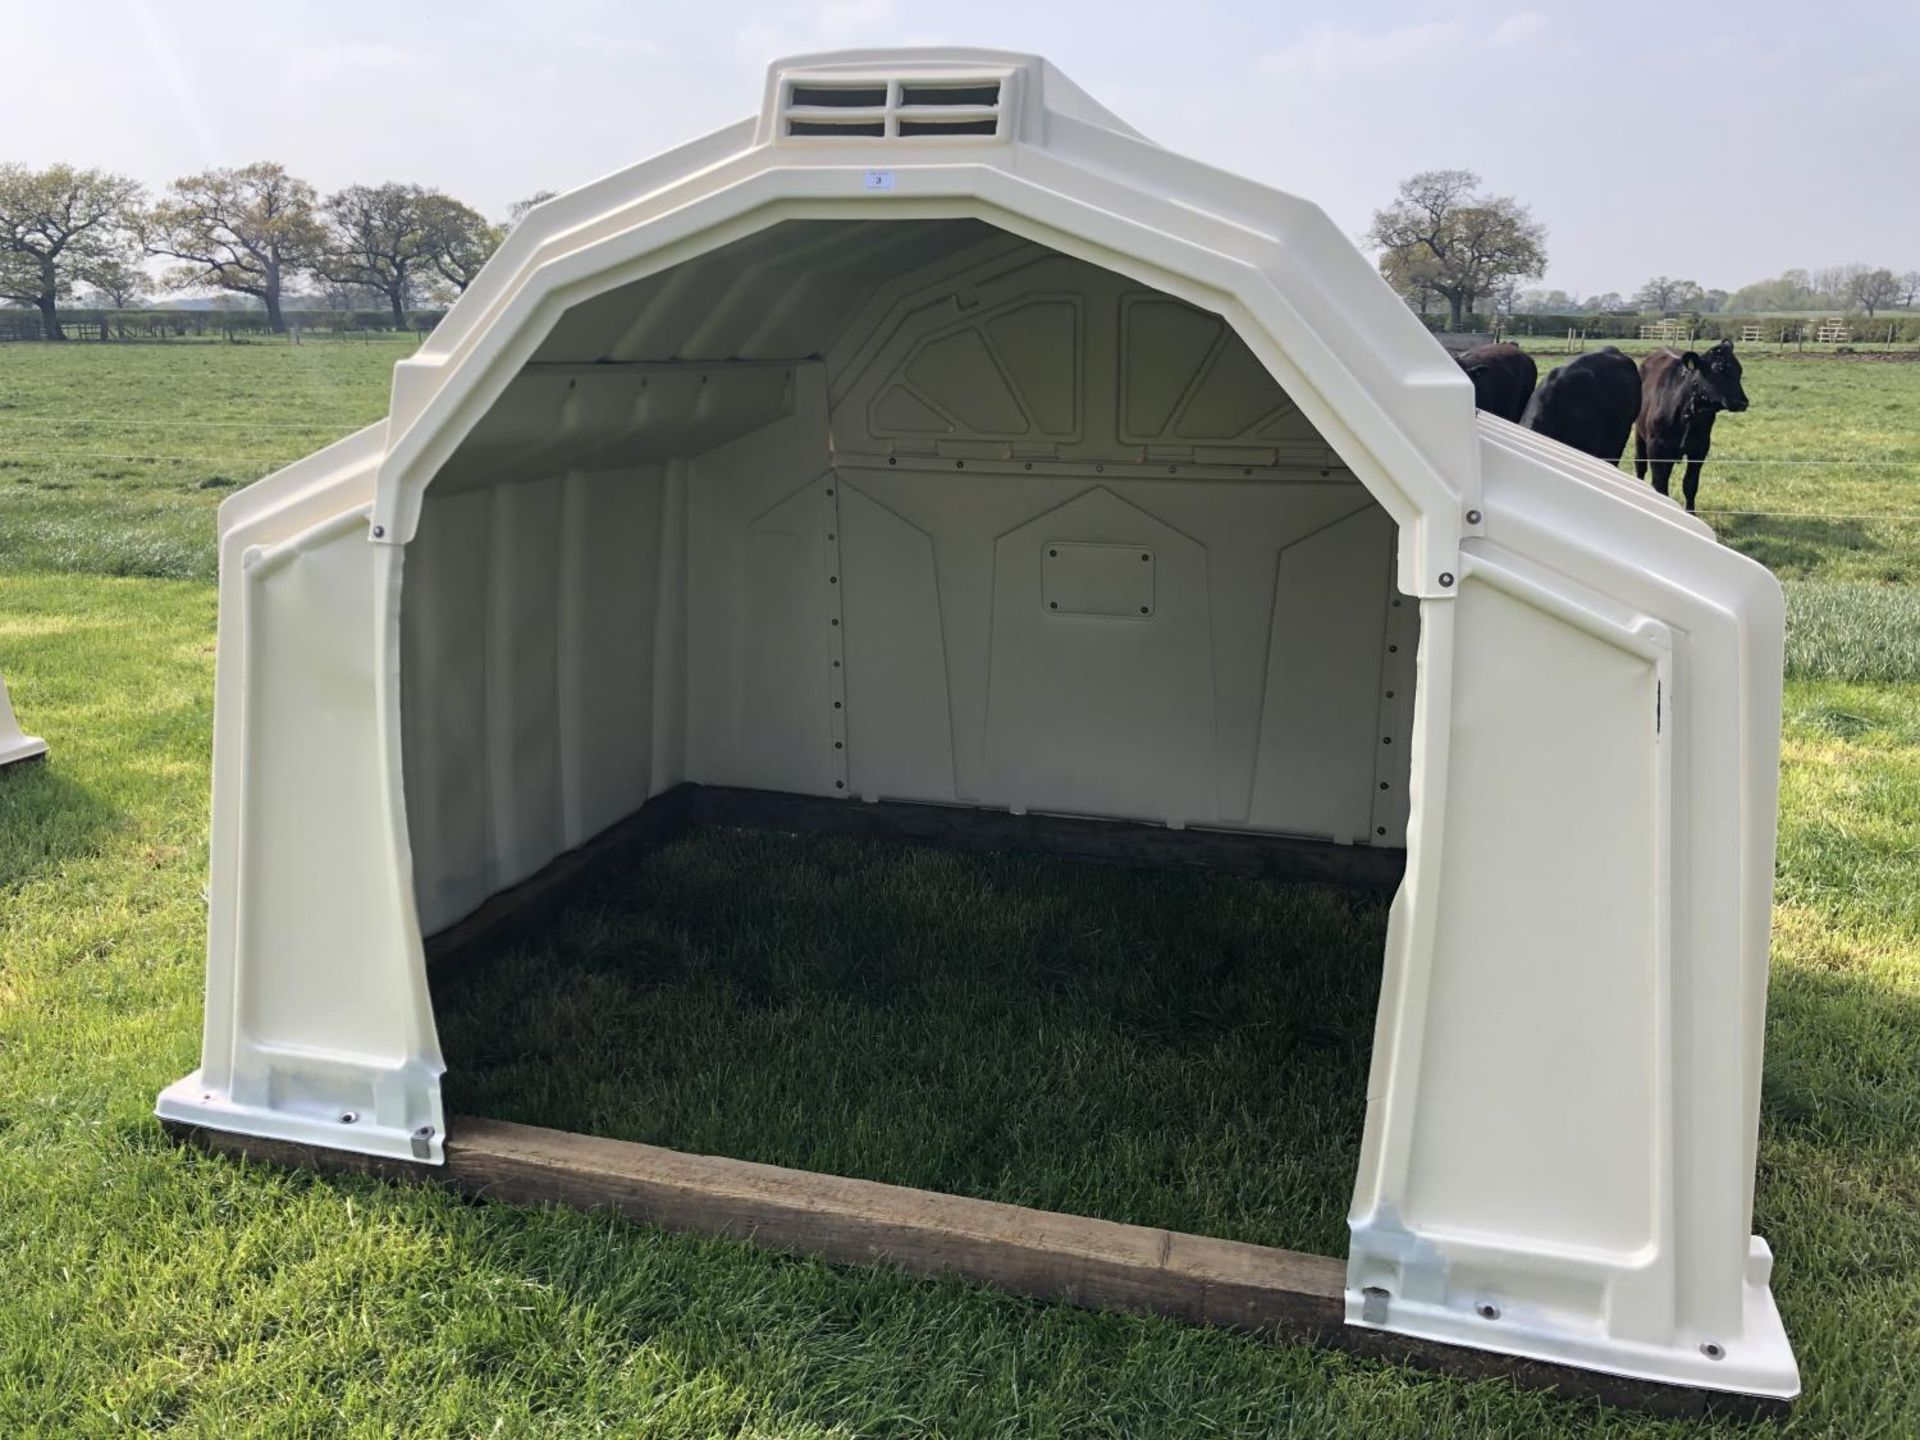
1902,516
45,422
8,427
1899,465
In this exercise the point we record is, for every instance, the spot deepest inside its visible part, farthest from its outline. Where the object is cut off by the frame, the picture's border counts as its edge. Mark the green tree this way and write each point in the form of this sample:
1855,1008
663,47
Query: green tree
55,226
459,238
1664,296
381,239
1545,302
1412,275
118,281
246,231
1442,233
1790,290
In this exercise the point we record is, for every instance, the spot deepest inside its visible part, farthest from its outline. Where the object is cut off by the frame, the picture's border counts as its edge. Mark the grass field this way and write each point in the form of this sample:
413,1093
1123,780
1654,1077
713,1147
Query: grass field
1143,1066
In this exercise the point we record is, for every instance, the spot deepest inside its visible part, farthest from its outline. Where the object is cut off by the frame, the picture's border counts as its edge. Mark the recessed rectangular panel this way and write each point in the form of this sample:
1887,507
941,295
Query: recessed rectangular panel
1079,578
1098,713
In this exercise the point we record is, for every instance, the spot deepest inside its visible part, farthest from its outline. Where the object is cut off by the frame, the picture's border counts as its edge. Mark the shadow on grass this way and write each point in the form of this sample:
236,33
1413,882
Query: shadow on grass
1843,1062
46,818
1182,1050
1797,544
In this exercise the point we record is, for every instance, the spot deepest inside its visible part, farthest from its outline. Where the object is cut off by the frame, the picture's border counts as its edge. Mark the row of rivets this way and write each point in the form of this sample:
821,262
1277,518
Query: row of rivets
836,643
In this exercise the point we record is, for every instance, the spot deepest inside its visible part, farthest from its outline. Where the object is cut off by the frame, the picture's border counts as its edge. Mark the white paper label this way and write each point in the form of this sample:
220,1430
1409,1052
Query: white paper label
879,180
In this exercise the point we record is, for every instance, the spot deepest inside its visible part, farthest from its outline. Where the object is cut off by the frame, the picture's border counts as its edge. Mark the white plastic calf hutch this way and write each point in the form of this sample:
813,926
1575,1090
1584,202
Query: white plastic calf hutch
932,439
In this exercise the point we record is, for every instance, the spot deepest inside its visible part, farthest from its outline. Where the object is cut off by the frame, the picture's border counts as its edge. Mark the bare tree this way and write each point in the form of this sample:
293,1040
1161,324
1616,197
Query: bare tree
1442,234
55,225
380,239
246,231
1909,289
459,239
1873,290
1831,285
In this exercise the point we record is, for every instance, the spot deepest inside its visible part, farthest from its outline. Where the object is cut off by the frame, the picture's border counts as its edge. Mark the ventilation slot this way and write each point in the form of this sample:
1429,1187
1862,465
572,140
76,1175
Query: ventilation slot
949,127
868,109
843,97
837,127
970,95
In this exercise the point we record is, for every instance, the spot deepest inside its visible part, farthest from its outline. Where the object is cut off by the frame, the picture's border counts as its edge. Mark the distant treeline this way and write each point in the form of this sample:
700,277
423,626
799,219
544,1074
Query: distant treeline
21,324
256,236
1901,329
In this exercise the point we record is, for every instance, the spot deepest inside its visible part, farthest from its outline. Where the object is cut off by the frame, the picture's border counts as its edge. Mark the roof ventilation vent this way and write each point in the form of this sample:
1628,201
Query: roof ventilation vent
923,94
883,109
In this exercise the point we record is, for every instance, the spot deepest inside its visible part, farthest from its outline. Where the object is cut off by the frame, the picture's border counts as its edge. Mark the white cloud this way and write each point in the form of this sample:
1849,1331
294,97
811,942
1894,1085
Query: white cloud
327,63
833,24
1332,52
1328,52
1519,29
840,18
603,42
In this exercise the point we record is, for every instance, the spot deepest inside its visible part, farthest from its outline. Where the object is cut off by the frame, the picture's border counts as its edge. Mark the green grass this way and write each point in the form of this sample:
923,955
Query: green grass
113,458
1181,1050
1853,630
1821,476
1190,1051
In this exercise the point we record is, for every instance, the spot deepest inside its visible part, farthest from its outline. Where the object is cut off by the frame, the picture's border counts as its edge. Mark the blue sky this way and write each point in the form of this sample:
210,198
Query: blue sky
1720,142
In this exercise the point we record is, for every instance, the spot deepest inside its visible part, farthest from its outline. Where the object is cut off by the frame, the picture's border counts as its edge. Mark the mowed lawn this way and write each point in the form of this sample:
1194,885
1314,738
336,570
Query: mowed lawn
1026,1029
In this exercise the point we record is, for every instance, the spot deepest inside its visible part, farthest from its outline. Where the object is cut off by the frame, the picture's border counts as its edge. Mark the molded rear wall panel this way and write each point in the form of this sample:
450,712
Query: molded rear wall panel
943,576
898,697
1102,713
756,700
785,728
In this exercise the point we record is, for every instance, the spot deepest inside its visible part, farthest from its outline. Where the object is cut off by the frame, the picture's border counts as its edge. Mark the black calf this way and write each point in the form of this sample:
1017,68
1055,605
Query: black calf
1679,396
1588,403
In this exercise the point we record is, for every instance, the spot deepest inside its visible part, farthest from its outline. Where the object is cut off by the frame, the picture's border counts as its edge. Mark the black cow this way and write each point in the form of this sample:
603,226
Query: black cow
1679,396
1588,403
1502,376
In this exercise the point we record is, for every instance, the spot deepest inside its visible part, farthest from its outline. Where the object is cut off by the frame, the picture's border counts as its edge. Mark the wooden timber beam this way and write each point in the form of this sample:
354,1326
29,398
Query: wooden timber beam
1098,1264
